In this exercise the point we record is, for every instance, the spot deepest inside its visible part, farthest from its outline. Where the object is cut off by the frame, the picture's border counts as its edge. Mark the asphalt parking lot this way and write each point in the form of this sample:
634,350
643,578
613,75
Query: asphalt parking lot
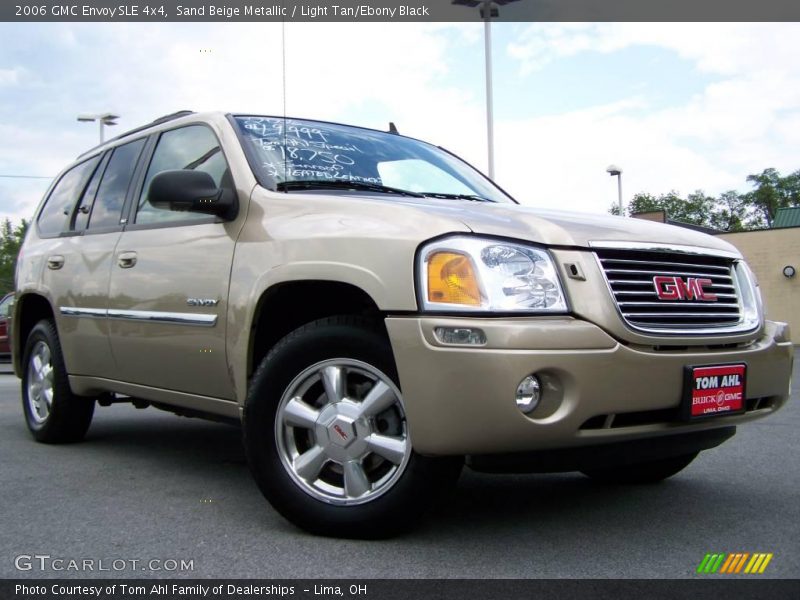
148,485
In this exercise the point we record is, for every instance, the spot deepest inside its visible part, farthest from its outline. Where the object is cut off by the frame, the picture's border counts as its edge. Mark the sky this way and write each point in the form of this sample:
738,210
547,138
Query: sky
678,106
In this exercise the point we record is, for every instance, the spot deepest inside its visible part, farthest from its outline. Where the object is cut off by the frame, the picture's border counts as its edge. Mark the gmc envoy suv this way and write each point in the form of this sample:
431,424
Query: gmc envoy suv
376,313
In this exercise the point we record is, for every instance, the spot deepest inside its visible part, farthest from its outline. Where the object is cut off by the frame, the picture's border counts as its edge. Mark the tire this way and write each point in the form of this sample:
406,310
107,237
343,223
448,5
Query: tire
646,472
342,468
53,413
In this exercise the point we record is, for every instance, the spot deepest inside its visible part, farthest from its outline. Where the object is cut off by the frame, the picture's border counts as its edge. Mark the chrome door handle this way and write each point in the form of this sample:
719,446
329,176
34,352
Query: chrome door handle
55,262
126,259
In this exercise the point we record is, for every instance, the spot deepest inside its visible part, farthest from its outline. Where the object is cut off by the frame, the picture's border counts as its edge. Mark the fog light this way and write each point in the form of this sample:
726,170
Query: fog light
529,392
461,336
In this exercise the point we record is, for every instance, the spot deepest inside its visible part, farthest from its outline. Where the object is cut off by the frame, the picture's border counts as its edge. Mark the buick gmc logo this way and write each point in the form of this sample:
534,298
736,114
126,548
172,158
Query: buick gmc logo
670,287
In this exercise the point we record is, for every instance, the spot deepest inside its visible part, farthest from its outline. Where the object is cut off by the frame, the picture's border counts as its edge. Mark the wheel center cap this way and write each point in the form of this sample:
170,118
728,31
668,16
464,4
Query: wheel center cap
342,431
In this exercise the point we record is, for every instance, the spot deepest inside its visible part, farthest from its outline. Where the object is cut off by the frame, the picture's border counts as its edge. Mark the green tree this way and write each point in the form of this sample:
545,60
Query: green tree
771,193
731,211
11,237
697,209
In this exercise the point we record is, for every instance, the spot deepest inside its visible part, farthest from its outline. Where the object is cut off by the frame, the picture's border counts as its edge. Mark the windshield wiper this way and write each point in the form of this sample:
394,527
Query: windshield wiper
341,184
473,197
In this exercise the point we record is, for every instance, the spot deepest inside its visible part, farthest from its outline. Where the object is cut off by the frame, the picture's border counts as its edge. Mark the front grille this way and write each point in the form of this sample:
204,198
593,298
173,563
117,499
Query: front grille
631,274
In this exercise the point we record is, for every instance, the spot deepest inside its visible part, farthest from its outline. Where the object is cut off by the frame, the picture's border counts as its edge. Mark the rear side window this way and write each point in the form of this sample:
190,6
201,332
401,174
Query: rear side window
81,216
56,212
110,199
194,147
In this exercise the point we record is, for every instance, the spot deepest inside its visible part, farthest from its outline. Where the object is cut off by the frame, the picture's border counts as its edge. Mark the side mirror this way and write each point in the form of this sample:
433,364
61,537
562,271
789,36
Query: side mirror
194,191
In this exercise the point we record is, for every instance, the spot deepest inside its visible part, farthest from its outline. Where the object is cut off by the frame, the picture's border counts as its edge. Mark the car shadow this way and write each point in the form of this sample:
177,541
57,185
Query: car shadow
481,505
152,432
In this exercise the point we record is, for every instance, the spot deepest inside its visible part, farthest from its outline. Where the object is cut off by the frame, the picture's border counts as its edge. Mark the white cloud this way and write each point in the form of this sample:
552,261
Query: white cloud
10,76
724,48
362,74
746,118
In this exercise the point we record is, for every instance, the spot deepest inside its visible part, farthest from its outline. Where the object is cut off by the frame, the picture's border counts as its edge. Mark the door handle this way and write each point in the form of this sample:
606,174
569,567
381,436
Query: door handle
55,262
126,259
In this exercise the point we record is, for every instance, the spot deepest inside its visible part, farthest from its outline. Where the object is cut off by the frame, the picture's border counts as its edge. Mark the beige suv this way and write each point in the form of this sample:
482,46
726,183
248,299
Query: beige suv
376,313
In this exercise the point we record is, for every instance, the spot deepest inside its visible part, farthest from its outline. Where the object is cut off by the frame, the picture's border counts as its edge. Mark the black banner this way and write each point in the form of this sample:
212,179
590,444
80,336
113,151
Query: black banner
383,589
400,11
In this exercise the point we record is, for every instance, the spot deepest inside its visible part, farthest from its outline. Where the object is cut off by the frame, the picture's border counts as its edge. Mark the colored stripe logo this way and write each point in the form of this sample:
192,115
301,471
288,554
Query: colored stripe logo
735,562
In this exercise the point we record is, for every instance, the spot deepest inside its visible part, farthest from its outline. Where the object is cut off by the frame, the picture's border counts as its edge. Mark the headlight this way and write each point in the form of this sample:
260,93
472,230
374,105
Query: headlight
474,274
750,294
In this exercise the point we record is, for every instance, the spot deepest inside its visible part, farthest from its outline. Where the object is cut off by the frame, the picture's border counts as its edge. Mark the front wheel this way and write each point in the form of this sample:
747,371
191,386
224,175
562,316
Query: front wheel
647,472
53,413
327,438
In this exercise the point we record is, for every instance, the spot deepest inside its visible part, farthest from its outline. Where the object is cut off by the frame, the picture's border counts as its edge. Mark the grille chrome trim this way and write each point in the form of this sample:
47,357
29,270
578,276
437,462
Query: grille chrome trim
670,264
629,271
662,272
715,304
663,248
681,315
647,293
629,282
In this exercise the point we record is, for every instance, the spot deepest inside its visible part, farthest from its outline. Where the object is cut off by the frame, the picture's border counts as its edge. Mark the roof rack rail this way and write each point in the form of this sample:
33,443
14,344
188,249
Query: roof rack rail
158,121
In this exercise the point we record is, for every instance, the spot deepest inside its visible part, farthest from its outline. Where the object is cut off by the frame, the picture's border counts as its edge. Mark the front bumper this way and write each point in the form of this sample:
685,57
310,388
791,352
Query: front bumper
460,400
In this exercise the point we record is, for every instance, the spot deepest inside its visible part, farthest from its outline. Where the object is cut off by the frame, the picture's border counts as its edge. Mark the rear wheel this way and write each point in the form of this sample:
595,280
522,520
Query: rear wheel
53,413
327,438
646,472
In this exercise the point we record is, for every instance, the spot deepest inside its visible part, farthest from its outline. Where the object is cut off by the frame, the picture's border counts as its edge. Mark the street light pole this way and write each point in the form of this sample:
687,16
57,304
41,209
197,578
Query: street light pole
102,119
614,170
486,13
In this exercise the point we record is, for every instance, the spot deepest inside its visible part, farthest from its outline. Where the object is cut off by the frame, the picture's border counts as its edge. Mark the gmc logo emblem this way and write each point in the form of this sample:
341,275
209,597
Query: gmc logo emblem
675,288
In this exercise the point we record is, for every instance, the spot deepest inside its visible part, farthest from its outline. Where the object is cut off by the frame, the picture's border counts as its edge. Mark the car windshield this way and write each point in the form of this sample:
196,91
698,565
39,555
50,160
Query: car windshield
294,154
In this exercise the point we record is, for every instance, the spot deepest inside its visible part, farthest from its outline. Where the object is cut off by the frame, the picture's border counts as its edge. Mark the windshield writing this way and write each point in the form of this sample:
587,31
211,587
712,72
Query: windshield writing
293,150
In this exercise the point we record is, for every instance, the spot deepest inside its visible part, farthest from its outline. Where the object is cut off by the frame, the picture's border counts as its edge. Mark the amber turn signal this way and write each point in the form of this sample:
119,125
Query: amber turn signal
452,279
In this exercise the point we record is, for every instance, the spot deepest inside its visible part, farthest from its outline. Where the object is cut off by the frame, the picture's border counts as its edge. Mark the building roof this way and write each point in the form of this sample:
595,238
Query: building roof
787,217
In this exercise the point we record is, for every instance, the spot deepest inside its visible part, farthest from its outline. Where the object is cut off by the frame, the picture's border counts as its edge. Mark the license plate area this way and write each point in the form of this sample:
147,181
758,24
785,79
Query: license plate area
713,390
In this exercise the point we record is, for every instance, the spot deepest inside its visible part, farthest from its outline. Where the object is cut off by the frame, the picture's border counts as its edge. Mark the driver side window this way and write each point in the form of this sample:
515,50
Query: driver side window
194,147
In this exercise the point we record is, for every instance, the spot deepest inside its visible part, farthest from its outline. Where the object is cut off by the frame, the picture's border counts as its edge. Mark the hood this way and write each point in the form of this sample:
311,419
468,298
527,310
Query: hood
562,228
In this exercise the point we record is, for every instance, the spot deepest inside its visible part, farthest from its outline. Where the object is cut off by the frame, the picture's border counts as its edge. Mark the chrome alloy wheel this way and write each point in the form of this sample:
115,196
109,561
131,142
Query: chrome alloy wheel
40,382
341,432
